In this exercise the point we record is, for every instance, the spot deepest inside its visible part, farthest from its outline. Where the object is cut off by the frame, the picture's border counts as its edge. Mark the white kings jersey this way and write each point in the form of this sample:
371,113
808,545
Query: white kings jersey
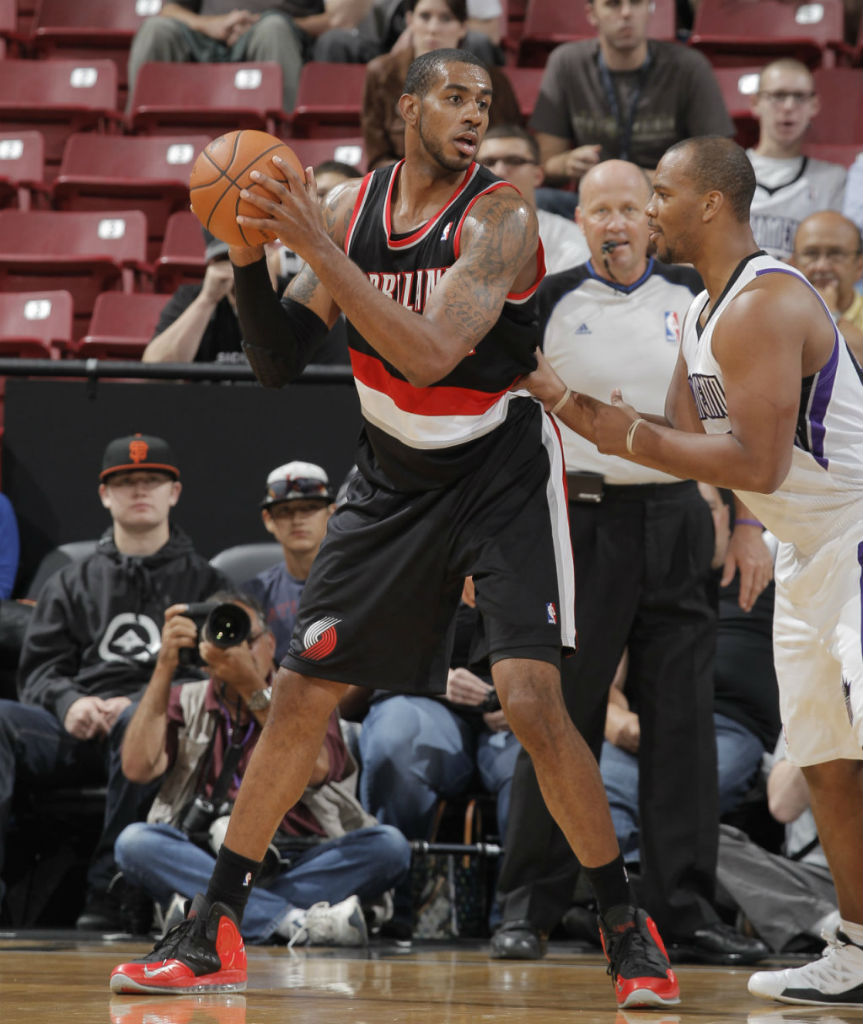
822,495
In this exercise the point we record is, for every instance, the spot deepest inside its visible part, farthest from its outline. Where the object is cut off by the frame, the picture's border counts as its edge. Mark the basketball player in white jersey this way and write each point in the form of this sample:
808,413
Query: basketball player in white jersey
765,400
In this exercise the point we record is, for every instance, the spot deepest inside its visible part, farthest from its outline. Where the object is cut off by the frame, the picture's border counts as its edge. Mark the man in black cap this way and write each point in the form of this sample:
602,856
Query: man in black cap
90,649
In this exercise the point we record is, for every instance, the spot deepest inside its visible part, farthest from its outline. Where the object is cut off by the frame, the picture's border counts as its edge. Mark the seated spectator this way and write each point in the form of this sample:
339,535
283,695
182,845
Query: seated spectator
789,185
200,736
385,28
9,547
295,510
788,899
214,31
434,25
511,152
827,248
331,173
622,96
90,649
436,748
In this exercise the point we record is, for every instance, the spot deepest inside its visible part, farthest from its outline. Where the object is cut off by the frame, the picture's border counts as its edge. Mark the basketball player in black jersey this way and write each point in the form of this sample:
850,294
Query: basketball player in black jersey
434,262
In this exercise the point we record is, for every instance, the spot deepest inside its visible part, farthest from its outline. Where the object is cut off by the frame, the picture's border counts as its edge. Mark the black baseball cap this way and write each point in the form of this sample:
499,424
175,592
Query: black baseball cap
295,481
138,451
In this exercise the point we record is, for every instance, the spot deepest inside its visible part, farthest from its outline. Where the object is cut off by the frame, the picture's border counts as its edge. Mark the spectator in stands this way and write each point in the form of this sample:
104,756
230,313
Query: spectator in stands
295,510
214,31
643,543
200,736
9,547
511,152
852,203
331,173
434,25
827,248
790,185
622,96
436,747
788,899
90,648
385,29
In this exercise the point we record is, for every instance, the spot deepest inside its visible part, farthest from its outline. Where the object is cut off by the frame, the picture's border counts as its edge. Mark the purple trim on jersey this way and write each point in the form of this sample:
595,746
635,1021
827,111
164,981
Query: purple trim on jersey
823,381
860,563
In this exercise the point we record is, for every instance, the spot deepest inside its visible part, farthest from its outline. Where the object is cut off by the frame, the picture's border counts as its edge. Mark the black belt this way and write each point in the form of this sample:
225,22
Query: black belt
591,488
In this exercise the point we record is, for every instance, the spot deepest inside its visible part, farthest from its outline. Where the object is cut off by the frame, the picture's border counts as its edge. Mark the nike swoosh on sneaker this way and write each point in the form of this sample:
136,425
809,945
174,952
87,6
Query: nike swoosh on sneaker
157,970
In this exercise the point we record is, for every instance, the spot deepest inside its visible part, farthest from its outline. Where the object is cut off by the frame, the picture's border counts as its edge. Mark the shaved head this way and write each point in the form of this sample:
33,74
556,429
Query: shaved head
715,163
613,174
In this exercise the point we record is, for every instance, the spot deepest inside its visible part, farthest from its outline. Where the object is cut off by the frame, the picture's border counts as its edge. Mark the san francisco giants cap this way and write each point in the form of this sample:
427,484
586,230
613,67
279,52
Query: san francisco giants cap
138,451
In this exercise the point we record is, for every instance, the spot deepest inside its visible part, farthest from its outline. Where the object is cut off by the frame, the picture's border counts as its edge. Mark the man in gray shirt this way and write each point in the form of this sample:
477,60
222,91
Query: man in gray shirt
622,96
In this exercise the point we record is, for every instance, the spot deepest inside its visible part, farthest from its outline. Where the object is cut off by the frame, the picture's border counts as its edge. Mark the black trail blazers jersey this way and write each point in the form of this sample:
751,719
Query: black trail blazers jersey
423,437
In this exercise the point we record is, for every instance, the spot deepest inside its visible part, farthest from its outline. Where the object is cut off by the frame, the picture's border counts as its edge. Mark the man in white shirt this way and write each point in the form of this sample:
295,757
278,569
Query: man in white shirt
790,185
511,153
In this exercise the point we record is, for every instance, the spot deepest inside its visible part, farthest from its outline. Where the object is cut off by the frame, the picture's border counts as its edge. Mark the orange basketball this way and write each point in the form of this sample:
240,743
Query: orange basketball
222,169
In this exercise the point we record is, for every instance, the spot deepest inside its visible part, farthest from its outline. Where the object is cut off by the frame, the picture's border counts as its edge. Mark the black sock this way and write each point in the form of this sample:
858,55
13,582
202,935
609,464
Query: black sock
610,884
232,880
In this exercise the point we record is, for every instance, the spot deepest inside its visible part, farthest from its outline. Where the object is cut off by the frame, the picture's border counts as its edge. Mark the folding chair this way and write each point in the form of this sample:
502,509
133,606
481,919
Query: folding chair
22,169
329,100
35,324
181,260
121,325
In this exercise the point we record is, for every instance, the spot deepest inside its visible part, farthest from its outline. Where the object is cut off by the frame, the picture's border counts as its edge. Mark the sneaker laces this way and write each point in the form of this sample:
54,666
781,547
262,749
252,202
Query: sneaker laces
831,965
633,945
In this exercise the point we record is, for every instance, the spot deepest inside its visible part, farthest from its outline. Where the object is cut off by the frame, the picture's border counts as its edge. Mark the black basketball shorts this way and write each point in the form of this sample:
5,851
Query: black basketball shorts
383,590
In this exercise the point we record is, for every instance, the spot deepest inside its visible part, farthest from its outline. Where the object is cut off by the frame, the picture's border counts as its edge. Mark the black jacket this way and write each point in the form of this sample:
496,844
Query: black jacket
96,629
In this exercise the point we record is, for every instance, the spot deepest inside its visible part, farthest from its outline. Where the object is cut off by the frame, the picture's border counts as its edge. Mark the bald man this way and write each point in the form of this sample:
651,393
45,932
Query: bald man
765,400
827,248
643,544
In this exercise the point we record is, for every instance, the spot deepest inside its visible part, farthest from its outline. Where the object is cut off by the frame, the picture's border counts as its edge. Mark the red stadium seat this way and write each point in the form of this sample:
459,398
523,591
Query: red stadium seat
214,98
22,168
121,326
837,153
548,23
86,30
57,97
732,32
839,121
9,38
738,87
145,172
329,99
525,84
181,260
312,152
83,253
35,325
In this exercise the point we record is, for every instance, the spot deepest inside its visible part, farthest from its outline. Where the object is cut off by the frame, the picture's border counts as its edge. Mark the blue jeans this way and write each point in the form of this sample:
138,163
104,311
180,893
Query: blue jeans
738,752
416,750
36,751
367,862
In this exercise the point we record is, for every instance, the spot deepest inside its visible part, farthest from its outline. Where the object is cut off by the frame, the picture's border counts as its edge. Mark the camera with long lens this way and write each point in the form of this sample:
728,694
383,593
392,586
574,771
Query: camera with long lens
198,816
223,624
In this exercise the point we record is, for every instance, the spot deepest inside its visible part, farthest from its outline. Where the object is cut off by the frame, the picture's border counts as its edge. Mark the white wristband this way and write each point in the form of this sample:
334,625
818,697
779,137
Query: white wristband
630,434
561,402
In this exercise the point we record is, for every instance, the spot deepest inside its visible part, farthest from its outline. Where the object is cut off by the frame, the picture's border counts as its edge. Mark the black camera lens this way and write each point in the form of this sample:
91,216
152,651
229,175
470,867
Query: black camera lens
227,625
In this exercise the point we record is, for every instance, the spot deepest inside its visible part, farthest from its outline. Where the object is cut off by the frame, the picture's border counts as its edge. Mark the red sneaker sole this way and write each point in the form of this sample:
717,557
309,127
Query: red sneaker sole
224,981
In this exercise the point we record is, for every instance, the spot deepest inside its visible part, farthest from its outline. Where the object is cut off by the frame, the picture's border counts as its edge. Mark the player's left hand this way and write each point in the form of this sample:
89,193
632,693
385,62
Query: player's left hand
290,210
748,554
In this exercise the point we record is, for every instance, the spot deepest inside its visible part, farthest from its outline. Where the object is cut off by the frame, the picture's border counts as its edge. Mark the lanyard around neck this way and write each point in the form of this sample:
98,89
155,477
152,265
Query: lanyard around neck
624,125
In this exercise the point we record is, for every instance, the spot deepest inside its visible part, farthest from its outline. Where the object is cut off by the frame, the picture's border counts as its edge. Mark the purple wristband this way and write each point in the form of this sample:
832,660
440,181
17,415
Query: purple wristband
749,522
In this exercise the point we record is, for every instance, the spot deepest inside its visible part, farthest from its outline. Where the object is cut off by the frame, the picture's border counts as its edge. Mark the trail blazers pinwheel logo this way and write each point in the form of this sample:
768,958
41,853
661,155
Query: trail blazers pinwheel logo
320,638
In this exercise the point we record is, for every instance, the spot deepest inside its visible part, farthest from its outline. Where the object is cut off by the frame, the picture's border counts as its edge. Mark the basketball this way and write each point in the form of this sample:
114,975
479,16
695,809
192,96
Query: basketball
222,169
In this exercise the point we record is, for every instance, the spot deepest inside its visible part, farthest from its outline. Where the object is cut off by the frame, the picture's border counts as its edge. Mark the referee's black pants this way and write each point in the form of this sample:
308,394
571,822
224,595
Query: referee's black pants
643,582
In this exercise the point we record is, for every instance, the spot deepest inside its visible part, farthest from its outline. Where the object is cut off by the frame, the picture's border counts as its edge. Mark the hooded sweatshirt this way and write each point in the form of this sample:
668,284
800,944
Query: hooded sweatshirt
97,626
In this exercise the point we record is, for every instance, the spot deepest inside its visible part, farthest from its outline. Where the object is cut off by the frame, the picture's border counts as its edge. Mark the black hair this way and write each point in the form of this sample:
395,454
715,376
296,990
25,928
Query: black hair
514,131
716,162
425,70
457,8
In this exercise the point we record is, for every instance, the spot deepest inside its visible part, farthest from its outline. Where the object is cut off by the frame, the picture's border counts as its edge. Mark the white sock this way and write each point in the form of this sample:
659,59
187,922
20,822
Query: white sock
853,931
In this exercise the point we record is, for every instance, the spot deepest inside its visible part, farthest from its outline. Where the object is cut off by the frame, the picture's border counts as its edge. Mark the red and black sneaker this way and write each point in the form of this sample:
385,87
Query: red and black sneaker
204,953
637,961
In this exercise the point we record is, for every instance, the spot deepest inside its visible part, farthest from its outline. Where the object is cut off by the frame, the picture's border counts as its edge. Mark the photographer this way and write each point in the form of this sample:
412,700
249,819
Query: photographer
190,733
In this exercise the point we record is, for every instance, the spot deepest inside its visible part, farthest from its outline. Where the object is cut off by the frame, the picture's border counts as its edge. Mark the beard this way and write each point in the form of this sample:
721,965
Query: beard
435,151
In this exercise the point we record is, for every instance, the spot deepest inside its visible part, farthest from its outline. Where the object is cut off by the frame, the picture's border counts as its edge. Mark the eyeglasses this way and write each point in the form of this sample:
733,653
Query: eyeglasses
781,96
834,255
508,161
297,487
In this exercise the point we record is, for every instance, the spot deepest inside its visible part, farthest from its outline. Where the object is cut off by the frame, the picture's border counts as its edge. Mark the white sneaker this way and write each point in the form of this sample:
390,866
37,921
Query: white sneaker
836,979
323,925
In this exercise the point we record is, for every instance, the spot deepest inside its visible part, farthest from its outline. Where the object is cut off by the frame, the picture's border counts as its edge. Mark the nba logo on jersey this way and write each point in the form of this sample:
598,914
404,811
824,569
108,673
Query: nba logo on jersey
672,327
445,233
551,613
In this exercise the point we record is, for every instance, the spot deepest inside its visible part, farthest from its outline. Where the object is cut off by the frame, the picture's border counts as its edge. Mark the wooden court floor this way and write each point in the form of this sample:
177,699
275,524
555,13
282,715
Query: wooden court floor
59,977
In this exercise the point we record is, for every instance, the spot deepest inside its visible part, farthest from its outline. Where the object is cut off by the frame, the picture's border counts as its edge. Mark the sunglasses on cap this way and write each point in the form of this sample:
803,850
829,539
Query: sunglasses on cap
298,487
